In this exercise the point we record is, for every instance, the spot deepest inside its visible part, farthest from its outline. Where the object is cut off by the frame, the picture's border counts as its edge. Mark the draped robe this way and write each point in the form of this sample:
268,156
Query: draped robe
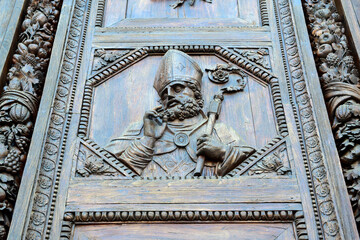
168,159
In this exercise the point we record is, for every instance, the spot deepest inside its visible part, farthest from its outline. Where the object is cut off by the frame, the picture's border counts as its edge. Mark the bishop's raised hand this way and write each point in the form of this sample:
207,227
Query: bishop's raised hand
154,125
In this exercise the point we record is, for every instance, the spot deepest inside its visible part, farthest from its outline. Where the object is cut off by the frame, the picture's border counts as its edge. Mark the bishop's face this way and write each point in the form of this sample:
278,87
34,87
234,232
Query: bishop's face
179,102
175,95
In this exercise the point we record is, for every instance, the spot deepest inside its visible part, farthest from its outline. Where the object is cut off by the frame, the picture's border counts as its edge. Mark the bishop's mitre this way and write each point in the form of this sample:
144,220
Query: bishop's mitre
177,67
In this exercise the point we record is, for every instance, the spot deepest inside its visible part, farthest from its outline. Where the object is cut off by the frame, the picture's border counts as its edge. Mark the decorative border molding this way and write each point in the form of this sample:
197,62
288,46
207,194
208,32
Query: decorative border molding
21,97
264,13
100,13
44,199
73,218
317,174
339,77
253,28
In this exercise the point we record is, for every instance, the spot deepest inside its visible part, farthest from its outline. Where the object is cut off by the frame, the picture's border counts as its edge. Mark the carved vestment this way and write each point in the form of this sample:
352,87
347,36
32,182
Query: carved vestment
169,159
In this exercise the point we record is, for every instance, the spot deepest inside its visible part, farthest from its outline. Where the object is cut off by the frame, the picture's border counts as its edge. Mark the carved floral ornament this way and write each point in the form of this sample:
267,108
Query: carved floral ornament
20,99
340,81
103,57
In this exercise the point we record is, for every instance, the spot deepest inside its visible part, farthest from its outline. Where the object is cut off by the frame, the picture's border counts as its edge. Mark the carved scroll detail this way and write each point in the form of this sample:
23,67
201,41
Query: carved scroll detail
340,80
20,100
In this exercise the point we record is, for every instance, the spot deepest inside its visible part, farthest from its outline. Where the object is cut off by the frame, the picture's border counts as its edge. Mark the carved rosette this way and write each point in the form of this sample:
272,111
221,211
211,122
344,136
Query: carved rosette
340,81
20,99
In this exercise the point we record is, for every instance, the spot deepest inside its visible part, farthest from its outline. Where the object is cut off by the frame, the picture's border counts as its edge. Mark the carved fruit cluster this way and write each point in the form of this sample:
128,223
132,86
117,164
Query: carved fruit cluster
33,51
330,43
340,79
19,101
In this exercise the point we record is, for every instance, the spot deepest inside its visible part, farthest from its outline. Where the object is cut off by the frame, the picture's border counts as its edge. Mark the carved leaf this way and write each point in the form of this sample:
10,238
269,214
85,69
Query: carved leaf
272,163
260,56
91,164
104,57
99,63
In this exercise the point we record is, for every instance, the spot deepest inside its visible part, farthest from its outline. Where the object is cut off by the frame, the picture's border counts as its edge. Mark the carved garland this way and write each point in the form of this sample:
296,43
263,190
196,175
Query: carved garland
73,218
340,82
20,100
44,199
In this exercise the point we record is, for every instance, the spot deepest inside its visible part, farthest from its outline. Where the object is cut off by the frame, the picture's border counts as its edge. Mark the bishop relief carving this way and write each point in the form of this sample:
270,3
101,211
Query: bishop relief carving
178,139
179,3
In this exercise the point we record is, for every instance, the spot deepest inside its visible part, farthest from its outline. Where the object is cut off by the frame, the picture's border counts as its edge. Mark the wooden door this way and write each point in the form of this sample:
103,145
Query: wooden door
97,179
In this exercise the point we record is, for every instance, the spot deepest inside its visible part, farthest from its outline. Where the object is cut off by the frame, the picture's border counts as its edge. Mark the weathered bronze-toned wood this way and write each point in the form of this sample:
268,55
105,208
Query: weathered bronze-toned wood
103,82
25,78
187,231
339,77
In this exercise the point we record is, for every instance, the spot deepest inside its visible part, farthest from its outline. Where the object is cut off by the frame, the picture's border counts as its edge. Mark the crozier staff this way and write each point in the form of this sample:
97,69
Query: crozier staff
171,137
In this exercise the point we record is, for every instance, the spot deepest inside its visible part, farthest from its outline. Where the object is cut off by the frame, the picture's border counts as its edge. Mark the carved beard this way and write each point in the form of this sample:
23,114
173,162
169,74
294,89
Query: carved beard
190,108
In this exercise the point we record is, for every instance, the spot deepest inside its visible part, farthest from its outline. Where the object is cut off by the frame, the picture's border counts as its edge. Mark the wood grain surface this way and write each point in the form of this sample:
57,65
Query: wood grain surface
116,11
214,231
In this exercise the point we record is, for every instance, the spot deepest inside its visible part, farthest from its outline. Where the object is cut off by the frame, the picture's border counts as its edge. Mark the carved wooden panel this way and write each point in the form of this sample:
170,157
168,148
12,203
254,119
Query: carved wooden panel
202,13
126,156
241,117
186,231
